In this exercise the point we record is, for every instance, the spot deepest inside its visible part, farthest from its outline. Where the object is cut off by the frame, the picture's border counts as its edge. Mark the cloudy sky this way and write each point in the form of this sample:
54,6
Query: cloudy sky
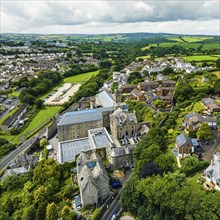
106,16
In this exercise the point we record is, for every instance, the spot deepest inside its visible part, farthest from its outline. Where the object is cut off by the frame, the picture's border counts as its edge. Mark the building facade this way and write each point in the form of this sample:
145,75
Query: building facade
123,124
92,178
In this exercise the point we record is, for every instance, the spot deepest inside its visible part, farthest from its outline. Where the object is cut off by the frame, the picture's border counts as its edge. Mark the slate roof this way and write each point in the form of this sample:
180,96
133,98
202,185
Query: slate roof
136,93
182,139
122,117
80,117
214,169
105,99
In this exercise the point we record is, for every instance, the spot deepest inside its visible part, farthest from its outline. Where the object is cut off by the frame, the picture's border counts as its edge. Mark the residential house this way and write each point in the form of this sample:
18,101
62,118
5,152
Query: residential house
194,120
137,95
168,83
211,105
212,173
128,88
184,145
144,86
93,179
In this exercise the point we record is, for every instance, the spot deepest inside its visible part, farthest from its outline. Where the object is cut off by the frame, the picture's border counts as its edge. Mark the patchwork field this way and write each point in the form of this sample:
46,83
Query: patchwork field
201,57
195,39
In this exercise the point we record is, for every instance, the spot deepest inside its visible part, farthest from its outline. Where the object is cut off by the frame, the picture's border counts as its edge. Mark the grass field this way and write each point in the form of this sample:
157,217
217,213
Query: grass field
182,44
148,46
8,115
80,78
211,46
217,73
195,39
143,57
42,116
201,58
175,39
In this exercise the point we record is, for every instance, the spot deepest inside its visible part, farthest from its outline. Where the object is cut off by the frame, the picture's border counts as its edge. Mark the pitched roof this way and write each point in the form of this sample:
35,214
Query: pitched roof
105,99
80,117
136,93
182,139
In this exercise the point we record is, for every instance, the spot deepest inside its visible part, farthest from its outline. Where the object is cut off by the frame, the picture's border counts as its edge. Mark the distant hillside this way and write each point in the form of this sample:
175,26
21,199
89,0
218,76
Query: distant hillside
91,37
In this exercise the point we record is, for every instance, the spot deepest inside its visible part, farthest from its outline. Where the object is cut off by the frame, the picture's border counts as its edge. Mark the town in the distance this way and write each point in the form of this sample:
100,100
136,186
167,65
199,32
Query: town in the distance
110,126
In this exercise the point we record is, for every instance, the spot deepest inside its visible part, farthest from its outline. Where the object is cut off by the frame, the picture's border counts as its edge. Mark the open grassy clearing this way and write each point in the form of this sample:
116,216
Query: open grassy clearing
201,57
148,46
80,78
42,116
177,39
208,46
217,73
182,44
198,107
195,39
143,57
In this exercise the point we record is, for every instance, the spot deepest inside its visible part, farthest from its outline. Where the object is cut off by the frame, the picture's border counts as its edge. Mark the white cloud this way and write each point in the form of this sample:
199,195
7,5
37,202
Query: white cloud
198,16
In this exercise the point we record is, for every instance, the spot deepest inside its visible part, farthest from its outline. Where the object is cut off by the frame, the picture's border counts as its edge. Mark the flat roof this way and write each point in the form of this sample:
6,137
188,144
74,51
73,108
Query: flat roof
97,138
100,137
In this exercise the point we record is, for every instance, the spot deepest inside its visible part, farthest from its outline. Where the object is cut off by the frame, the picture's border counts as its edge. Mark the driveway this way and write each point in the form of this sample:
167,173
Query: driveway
209,150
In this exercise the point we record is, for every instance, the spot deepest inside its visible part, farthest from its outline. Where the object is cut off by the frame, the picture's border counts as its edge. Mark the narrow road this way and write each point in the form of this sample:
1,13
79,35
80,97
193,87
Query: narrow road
115,205
7,159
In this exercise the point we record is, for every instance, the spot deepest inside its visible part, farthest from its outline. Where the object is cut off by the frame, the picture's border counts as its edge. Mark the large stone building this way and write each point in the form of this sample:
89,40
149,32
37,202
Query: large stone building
123,124
92,178
76,124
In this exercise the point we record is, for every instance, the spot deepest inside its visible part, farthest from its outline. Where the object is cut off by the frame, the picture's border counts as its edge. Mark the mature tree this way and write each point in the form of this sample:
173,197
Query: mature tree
204,132
40,195
39,103
41,211
65,212
43,142
52,212
217,87
150,169
217,63
45,170
29,213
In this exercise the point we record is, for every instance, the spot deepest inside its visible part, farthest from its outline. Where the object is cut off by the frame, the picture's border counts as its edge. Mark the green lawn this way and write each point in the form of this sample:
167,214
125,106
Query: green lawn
201,57
42,116
217,73
197,107
80,78
8,115
143,57
10,95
